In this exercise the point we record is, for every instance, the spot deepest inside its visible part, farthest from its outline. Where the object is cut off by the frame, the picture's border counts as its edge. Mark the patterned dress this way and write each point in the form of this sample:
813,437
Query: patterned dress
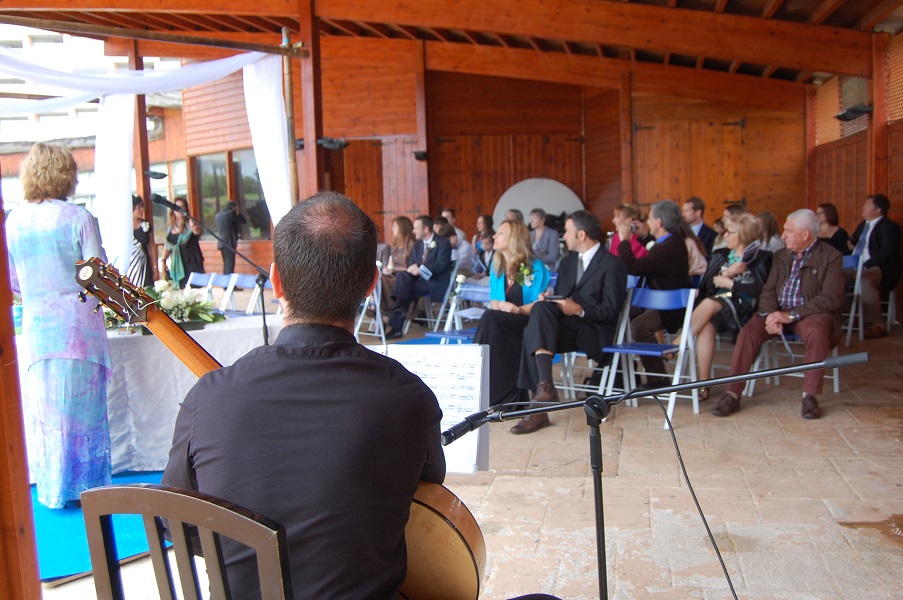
64,345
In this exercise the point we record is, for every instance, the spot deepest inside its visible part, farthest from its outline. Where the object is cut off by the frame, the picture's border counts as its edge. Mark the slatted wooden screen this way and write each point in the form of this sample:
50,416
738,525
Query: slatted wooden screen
842,176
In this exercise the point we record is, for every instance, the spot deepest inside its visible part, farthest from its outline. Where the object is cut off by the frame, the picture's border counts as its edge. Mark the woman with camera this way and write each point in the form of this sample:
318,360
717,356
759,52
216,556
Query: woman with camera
628,213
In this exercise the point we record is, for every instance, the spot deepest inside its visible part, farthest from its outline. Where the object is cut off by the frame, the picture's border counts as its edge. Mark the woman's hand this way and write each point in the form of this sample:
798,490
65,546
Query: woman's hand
723,282
735,269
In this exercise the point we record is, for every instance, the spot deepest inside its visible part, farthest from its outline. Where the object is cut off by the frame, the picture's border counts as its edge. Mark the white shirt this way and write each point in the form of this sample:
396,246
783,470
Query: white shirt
696,228
866,255
587,256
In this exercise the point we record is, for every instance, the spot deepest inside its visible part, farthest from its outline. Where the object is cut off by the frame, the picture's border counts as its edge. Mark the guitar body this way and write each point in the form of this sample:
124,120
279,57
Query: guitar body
446,551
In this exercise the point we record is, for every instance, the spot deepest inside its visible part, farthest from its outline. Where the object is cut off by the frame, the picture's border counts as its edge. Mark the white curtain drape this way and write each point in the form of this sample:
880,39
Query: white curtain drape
269,134
113,147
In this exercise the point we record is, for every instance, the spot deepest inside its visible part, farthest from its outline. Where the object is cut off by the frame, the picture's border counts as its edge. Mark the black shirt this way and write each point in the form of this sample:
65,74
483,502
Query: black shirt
325,437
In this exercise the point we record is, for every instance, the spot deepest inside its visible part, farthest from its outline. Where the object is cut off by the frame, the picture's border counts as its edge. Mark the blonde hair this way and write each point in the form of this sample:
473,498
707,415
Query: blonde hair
518,249
748,228
49,171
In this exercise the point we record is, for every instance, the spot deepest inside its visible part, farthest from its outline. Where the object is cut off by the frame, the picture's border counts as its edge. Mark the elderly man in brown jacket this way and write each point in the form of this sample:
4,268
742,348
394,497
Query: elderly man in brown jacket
803,295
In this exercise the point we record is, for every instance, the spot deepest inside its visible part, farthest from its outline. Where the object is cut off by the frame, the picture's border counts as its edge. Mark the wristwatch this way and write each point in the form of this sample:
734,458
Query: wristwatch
794,316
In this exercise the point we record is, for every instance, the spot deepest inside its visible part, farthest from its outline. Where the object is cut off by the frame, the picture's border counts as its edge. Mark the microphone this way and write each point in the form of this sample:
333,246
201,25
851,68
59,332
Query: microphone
845,360
466,426
158,199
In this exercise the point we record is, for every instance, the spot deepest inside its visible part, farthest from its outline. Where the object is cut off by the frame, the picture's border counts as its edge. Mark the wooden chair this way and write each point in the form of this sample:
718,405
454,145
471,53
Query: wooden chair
184,511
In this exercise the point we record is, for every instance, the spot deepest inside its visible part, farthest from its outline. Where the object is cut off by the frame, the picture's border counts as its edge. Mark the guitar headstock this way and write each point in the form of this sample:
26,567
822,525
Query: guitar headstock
113,290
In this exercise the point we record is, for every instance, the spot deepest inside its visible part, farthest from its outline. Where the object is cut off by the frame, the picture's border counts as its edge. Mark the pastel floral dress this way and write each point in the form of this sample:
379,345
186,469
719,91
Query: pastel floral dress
64,346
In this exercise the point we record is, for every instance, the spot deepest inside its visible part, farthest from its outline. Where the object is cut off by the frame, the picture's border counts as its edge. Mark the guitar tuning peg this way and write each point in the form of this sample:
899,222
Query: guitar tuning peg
97,308
82,297
112,322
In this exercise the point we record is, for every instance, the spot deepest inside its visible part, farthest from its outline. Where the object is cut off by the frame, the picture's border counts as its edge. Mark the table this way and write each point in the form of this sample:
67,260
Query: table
149,382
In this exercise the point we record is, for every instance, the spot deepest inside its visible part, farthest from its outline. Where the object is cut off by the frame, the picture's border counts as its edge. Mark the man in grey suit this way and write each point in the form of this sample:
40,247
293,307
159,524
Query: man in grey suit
228,223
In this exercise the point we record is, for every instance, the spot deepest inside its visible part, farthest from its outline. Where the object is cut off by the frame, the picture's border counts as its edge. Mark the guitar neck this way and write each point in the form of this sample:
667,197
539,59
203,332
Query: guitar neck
180,343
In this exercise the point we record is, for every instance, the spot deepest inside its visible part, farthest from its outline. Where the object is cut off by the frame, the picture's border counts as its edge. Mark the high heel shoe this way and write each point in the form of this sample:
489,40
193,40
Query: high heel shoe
704,393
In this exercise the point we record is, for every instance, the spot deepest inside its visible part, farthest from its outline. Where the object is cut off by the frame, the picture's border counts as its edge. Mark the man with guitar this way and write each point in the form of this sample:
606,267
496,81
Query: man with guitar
315,431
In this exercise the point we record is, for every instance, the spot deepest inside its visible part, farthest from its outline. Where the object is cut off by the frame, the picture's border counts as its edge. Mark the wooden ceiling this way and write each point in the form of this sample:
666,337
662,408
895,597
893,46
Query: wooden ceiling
766,41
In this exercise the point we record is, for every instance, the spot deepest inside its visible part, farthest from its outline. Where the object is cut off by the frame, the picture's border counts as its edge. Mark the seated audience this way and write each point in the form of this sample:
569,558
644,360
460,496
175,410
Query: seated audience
432,252
877,240
720,242
543,240
829,231
514,214
516,278
627,213
770,235
483,260
315,431
484,225
451,216
666,267
802,295
696,253
693,211
729,292
462,252
400,253
733,210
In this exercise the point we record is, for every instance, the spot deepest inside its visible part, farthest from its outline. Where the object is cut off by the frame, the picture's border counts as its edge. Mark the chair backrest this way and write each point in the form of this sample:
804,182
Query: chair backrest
633,281
198,279
474,293
553,280
851,261
184,510
662,299
220,280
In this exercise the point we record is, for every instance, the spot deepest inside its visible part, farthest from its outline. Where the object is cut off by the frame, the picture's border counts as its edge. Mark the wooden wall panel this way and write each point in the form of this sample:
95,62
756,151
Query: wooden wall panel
172,145
842,176
215,118
719,152
895,156
470,104
602,153
470,173
363,177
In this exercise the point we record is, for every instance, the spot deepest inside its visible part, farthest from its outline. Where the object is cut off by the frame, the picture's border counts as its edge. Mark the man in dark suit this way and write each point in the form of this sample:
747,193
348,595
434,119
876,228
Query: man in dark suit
693,210
877,239
666,267
432,252
228,223
593,283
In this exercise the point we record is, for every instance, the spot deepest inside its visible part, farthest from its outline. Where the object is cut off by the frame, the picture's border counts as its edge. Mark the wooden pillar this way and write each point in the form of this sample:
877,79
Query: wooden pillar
311,101
18,554
878,180
421,199
626,111
140,154
811,163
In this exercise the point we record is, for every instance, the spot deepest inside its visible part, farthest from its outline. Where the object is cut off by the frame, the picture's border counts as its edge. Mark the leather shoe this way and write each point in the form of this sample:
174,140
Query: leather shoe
394,334
545,392
810,407
873,332
531,423
727,405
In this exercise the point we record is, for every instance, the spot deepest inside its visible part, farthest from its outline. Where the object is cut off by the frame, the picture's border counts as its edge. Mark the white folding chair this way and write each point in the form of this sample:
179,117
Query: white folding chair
626,349
432,320
854,317
221,281
238,280
457,313
200,280
769,357
374,325
255,296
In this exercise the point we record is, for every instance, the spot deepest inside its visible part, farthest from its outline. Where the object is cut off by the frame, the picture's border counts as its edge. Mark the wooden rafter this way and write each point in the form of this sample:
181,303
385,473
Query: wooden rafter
367,27
435,32
878,14
403,31
771,7
605,72
725,36
346,28
823,11
720,5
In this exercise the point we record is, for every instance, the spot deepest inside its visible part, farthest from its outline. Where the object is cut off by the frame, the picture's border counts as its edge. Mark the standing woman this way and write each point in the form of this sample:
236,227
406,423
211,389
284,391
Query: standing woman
65,344
182,243
516,279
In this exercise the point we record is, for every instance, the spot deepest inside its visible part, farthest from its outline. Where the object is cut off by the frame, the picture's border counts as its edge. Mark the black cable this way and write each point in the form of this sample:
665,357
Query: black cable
683,470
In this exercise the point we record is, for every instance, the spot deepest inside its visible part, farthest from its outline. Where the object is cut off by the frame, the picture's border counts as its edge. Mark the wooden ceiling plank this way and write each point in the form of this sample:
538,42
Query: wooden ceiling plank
470,37
225,23
878,14
771,7
413,35
367,27
288,8
436,33
252,24
606,73
724,36
501,40
534,43
347,28
823,11
122,20
401,30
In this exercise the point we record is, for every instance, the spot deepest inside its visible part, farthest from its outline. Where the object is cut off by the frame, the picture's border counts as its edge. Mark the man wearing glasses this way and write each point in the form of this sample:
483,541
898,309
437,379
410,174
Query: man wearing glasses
803,295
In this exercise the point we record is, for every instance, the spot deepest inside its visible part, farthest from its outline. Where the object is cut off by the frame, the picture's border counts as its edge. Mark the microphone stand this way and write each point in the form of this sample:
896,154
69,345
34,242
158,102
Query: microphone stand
598,407
262,275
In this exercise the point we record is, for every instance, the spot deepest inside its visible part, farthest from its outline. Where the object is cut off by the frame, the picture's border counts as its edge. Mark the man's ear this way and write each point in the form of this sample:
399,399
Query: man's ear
372,283
276,281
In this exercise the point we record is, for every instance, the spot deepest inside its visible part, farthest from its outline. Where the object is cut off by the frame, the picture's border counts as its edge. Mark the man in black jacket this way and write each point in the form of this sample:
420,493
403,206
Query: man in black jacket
228,224
428,272
593,284
666,267
877,240
693,211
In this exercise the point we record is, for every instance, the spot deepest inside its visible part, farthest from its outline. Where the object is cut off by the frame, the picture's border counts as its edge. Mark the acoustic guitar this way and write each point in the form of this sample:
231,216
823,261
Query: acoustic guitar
446,551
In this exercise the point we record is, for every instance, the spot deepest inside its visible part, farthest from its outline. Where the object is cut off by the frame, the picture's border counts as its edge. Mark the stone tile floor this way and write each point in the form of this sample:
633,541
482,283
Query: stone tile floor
800,509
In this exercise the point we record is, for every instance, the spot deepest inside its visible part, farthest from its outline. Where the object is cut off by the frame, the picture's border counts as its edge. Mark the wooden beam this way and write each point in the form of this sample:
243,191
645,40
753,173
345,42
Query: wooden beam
221,7
140,153
724,36
421,167
771,7
626,120
606,73
878,14
311,102
823,11
878,166
812,199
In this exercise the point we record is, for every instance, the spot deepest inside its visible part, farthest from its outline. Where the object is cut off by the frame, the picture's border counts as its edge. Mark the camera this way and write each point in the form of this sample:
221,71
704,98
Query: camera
633,228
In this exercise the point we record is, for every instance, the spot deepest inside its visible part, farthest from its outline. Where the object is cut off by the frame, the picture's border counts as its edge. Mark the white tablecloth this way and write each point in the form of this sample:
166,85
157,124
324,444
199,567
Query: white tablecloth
149,382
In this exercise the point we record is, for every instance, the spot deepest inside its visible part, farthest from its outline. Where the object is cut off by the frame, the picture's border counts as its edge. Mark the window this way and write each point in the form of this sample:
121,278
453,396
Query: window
249,196
210,178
